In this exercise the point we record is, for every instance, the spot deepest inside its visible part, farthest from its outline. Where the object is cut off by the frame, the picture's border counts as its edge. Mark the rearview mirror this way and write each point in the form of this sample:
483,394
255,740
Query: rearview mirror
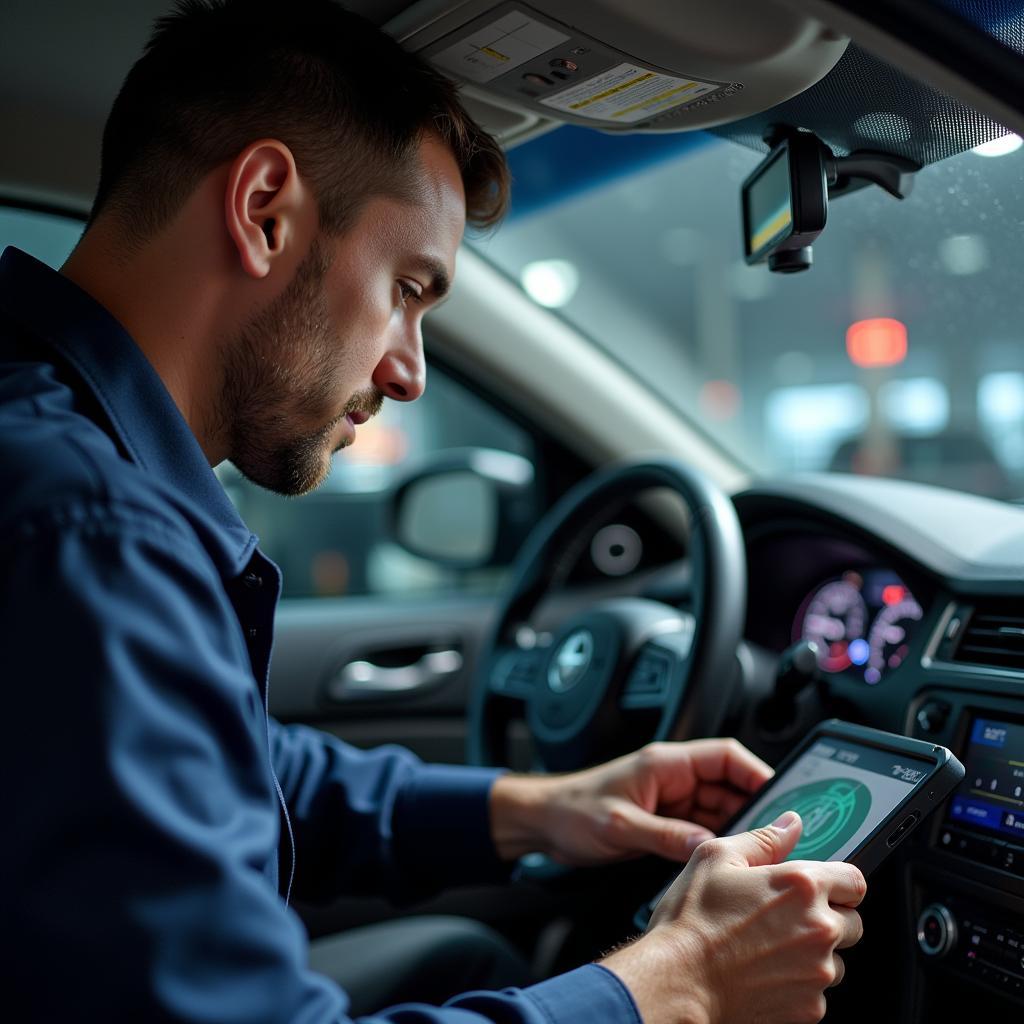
466,508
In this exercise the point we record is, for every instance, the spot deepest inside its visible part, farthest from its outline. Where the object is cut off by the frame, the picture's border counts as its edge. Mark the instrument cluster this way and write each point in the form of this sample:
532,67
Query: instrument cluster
861,622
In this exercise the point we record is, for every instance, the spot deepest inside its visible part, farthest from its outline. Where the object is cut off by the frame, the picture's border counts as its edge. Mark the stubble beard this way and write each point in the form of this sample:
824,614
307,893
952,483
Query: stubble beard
280,368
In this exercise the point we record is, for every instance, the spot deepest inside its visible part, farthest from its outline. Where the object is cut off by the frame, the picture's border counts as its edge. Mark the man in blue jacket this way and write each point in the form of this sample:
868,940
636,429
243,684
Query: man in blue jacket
283,191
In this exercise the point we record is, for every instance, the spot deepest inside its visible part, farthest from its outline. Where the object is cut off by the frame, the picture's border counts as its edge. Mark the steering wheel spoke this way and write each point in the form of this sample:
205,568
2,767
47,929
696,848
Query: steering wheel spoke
660,668
516,673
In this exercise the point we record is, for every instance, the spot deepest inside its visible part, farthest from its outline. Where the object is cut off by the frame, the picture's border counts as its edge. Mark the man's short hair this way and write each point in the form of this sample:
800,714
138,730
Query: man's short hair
348,101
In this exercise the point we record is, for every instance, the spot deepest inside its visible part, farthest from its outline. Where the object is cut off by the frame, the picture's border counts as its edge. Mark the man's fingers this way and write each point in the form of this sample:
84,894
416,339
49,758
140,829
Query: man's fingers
713,804
726,760
708,796
840,969
642,832
853,927
769,845
723,800
678,770
846,885
842,884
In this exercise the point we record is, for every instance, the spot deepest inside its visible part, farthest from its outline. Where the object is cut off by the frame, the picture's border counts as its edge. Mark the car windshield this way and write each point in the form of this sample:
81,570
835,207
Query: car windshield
899,353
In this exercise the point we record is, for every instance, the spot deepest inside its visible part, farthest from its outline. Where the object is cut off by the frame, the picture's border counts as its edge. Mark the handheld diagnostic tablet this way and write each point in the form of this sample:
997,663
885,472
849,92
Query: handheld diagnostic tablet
859,791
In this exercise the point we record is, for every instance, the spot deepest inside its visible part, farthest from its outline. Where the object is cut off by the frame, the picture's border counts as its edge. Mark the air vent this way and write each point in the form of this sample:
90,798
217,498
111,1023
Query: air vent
994,636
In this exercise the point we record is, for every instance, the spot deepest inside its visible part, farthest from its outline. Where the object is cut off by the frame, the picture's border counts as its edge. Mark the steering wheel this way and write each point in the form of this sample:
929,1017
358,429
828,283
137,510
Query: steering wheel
626,670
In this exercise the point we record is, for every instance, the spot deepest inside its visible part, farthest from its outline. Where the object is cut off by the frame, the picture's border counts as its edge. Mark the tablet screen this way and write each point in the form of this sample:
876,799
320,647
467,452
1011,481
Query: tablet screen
842,790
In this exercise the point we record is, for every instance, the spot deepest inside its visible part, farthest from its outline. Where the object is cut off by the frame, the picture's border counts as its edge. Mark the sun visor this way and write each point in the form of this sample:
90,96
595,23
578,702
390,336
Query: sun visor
645,66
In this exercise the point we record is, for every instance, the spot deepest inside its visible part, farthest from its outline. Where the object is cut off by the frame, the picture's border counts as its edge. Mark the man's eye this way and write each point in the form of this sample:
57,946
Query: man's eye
407,291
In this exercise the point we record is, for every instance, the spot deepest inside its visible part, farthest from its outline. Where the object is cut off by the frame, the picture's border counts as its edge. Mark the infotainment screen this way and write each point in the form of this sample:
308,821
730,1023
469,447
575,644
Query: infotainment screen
843,790
991,797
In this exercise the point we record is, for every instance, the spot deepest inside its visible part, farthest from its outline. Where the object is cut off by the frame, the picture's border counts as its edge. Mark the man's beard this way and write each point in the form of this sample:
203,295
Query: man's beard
281,365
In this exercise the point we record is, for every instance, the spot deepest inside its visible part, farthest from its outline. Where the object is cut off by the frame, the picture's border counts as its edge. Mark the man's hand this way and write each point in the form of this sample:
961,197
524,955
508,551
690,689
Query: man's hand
665,799
743,937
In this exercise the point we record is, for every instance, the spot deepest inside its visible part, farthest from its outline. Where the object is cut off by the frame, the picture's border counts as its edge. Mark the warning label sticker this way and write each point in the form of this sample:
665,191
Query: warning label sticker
499,47
628,93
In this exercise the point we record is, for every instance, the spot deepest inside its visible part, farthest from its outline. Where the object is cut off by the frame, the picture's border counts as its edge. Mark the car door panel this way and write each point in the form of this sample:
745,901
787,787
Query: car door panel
373,670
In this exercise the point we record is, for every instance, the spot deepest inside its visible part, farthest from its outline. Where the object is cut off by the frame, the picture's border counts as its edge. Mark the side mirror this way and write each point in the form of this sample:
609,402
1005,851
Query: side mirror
465,508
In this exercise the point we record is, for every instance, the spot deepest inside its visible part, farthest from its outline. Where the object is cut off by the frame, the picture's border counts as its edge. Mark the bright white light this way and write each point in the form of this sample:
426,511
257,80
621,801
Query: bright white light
1000,147
963,254
804,425
821,409
915,405
552,283
1001,398
1001,412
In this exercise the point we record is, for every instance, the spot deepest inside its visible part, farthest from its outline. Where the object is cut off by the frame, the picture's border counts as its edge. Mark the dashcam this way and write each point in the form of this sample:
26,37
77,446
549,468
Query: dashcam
785,200
785,204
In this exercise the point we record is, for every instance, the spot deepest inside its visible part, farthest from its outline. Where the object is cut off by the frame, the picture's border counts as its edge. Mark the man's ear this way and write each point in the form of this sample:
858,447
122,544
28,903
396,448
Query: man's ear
265,205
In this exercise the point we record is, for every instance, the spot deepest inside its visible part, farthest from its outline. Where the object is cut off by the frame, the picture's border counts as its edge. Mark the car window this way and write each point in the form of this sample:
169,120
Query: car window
898,353
337,540
49,237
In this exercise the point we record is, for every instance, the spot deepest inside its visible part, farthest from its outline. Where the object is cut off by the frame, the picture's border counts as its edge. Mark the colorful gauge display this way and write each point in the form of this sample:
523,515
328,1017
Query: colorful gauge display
888,642
835,616
860,622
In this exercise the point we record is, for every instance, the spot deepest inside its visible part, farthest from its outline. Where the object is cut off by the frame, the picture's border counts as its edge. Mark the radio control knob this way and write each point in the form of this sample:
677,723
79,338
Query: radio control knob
936,930
932,716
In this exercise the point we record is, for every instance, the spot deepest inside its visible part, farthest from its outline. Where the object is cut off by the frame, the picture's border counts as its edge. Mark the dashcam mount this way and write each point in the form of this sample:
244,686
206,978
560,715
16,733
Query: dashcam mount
785,199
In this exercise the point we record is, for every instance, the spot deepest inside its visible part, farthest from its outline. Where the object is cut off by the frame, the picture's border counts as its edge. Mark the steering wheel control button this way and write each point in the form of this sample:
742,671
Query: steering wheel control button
571,661
649,681
936,930
517,673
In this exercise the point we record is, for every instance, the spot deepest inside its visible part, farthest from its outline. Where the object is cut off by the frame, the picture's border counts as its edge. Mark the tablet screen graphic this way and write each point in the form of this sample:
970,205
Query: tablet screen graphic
832,810
842,790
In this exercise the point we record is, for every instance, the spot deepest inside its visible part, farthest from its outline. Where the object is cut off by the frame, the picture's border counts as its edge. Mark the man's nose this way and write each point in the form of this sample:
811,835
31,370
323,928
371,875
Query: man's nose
402,373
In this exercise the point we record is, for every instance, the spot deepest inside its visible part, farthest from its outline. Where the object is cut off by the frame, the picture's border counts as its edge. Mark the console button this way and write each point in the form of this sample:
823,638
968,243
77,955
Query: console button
936,930
932,716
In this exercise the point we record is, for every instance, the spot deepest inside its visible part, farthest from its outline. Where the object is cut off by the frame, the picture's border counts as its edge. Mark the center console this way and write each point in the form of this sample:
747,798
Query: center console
966,875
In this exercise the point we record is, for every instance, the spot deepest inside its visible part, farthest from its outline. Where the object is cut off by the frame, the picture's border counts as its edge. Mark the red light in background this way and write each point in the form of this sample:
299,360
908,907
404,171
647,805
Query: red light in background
881,341
719,399
893,594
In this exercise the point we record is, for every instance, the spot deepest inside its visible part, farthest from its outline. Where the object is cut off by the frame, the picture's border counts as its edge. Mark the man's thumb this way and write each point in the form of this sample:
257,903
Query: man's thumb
771,844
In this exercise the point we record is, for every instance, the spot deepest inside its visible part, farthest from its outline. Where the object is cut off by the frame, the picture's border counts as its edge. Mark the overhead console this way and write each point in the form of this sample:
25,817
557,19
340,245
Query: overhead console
646,66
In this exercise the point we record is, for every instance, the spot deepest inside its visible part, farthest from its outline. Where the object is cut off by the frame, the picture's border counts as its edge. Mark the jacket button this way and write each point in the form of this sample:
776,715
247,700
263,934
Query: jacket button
251,632
252,580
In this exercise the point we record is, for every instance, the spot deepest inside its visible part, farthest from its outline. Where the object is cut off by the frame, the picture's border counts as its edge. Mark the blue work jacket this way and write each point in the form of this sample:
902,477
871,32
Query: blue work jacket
147,787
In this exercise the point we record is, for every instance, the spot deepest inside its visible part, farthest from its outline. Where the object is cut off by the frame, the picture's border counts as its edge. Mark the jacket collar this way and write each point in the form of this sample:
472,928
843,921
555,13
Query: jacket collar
143,417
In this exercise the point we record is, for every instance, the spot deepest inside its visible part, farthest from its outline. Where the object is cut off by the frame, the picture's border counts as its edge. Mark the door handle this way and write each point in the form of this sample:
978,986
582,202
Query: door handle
363,680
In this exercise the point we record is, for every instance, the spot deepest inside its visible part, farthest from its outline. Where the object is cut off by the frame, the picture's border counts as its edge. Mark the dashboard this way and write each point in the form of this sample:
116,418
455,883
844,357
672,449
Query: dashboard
862,608
862,621
914,601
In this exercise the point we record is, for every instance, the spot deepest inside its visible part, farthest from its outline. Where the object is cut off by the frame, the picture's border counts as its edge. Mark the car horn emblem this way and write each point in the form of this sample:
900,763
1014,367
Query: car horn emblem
571,662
